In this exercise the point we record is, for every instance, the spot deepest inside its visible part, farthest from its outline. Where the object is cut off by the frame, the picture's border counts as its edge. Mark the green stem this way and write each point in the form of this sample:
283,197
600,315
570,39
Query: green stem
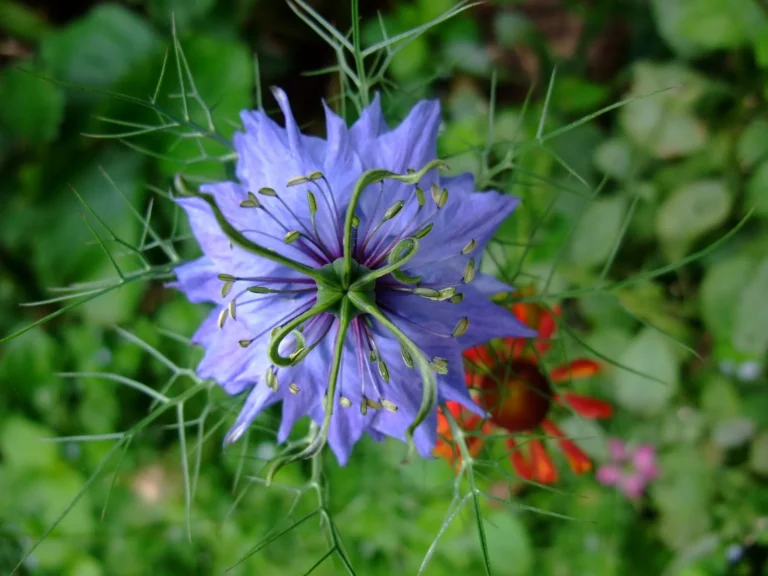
319,440
274,345
429,392
238,238
371,177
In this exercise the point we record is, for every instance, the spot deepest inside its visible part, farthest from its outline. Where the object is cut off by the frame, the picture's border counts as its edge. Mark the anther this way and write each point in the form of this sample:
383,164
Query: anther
469,271
345,402
268,192
393,210
226,288
372,356
316,175
227,277
461,327
426,292
373,404
469,247
312,203
436,192
294,388
296,181
389,405
383,371
423,232
355,221
439,365
251,202
407,358
447,293
291,236
260,290
420,196
245,343
443,198
233,309
271,379
223,317
456,299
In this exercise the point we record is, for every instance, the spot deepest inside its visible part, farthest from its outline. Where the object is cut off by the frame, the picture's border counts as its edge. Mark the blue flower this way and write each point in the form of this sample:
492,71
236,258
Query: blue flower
343,273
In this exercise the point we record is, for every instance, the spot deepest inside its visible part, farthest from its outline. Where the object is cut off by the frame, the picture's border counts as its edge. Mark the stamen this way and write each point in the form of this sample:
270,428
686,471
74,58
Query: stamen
456,299
251,202
271,379
439,365
426,292
345,402
389,405
420,197
296,181
316,175
373,404
469,247
226,288
407,358
461,327
469,271
393,210
443,198
292,236
383,371
423,232
268,192
233,309
436,192
245,343
294,389
223,317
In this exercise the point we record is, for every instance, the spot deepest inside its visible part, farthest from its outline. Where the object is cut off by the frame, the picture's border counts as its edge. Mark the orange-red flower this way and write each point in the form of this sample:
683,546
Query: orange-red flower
509,382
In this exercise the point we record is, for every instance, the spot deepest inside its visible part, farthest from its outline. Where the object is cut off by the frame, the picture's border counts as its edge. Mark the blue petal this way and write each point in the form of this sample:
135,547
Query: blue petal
198,280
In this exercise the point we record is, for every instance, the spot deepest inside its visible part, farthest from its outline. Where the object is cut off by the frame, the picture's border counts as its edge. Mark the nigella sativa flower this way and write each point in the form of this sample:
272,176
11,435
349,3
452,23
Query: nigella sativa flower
344,274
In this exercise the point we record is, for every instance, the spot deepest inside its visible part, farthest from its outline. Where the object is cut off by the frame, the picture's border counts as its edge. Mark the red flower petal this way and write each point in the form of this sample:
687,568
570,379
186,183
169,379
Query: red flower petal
585,406
579,368
518,460
577,459
543,467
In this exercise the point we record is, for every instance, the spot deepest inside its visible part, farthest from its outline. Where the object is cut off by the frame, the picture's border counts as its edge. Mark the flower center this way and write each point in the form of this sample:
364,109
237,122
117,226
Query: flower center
516,393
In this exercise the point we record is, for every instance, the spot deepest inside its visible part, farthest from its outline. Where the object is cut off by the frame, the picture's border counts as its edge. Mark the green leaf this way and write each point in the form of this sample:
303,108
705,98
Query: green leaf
509,545
719,398
650,353
22,446
576,95
511,28
99,48
32,108
758,454
185,12
750,333
663,124
597,232
732,432
720,293
752,146
614,158
690,212
757,190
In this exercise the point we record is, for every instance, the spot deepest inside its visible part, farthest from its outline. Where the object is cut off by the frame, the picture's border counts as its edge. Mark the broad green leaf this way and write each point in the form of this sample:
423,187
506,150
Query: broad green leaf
750,332
752,146
719,398
757,190
99,48
663,124
650,353
597,232
732,432
690,212
32,109
614,158
720,293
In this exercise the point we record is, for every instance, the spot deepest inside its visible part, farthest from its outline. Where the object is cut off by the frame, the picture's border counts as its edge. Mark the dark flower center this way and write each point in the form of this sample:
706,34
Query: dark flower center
517,395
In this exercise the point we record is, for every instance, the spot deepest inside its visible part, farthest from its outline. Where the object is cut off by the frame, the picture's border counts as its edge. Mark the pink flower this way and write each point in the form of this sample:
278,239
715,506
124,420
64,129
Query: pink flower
630,469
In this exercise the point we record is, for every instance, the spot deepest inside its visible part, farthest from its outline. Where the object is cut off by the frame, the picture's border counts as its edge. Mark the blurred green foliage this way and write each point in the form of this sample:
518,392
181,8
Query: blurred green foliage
678,170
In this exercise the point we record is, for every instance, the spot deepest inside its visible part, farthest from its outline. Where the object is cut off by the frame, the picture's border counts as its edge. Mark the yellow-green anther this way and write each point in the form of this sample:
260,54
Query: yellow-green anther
267,192
372,356
292,236
226,288
410,170
469,271
260,290
363,407
383,371
389,405
447,293
233,309
244,343
461,327
227,277
223,317
423,232
345,402
312,203
271,379
316,175
469,247
393,210
373,404
456,299
439,365
426,292
436,192
443,199
355,221
296,181
420,196
294,388
251,202
407,358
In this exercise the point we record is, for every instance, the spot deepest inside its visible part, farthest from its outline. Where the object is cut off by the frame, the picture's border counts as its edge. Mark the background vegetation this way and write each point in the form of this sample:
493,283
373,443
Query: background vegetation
644,185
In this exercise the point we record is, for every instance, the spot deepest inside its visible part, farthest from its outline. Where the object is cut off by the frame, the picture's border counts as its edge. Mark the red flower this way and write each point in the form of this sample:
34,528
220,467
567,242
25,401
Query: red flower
508,382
